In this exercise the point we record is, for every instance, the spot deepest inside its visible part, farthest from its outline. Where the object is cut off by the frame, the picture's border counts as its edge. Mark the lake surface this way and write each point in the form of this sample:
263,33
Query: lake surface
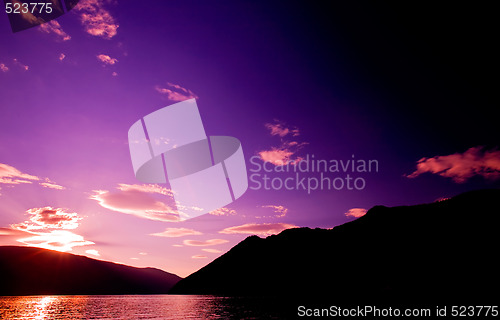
129,307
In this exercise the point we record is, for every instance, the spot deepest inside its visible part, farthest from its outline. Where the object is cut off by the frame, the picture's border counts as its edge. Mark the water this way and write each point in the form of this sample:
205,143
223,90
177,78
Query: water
128,307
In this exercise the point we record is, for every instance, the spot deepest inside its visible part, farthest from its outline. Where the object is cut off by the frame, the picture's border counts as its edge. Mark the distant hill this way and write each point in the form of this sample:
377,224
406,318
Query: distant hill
34,271
445,250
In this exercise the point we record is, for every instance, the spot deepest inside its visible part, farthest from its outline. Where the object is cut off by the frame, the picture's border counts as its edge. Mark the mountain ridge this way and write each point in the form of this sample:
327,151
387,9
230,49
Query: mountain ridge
420,252
32,271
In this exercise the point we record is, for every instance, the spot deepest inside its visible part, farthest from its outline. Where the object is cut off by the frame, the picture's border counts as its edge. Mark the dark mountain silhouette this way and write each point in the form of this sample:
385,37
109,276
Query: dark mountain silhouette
33,271
442,251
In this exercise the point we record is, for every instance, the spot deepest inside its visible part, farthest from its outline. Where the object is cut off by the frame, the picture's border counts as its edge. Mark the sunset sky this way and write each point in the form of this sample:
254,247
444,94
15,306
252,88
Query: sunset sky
410,89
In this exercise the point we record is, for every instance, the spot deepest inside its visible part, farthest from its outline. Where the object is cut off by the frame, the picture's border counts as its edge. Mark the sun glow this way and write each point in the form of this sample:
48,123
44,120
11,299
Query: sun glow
59,240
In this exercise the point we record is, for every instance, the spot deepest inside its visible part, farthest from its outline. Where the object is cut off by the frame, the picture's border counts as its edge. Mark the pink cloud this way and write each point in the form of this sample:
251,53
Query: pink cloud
212,250
106,59
280,210
96,20
462,166
199,256
48,228
223,212
11,175
51,185
356,212
284,154
176,232
49,218
138,200
55,28
175,92
62,56
206,243
3,67
264,229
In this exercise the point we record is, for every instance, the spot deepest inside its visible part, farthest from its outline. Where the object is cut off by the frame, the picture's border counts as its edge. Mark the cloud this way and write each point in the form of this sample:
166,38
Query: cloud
223,212
476,161
284,154
356,212
9,232
11,175
55,28
106,59
96,20
51,185
21,65
199,256
176,232
93,252
138,200
206,243
3,67
211,250
175,92
48,228
264,229
280,210
49,218
62,56
60,240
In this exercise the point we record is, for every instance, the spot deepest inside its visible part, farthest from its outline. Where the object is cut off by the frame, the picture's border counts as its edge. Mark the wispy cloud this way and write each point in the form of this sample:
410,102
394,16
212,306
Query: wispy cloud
176,232
175,92
138,200
280,211
96,20
476,161
11,175
52,185
356,212
53,27
223,212
93,252
285,153
106,59
21,65
3,67
199,256
62,56
263,229
206,243
212,250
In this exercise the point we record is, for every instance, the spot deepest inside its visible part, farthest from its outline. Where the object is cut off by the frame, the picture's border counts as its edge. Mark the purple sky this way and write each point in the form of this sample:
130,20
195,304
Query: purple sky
288,80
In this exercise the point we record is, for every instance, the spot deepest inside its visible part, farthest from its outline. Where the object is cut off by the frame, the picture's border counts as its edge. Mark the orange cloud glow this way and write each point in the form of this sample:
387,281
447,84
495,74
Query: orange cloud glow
264,229
461,166
175,92
48,228
206,243
106,59
356,212
96,20
176,232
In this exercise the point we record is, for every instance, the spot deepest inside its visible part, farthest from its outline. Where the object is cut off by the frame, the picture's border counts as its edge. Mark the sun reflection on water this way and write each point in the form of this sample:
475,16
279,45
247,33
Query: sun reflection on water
127,307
